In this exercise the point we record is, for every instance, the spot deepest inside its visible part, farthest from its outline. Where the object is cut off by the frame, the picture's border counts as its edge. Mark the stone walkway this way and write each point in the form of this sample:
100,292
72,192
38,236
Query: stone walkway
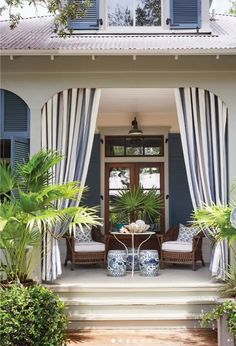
176,337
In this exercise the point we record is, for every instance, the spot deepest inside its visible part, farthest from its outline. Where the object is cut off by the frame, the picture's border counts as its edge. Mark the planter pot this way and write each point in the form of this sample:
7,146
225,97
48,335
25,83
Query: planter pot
224,337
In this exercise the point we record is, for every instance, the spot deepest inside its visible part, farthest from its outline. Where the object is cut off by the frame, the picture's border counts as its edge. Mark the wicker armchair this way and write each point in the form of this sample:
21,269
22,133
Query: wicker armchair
189,252
85,253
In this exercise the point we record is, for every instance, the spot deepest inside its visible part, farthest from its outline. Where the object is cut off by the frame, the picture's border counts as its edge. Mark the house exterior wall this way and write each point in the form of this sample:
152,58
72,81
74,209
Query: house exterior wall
35,79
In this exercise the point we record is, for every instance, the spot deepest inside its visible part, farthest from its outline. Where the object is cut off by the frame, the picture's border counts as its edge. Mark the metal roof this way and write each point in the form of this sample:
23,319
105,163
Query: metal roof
35,36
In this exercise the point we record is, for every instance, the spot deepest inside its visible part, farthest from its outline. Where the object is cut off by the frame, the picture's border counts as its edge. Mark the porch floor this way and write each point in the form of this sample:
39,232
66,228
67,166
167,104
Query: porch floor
173,276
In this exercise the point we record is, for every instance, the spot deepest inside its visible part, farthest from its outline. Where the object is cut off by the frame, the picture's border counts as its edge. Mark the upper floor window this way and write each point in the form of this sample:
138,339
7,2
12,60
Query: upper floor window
133,13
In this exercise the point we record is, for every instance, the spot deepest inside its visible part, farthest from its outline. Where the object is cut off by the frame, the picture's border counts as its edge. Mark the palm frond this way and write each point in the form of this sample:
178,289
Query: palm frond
56,192
7,178
82,216
152,204
216,217
129,201
8,209
229,288
38,171
46,220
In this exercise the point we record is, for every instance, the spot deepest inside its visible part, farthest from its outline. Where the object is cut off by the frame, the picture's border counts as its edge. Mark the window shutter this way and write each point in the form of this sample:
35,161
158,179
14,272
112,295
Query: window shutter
91,19
92,197
19,154
15,116
180,204
19,151
185,14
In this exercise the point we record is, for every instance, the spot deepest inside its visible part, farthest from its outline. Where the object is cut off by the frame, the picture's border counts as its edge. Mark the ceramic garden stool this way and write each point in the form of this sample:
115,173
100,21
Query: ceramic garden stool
130,260
149,262
116,262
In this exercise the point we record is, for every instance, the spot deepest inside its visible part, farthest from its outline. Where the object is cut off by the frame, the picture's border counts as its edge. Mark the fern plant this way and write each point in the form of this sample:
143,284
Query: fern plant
28,208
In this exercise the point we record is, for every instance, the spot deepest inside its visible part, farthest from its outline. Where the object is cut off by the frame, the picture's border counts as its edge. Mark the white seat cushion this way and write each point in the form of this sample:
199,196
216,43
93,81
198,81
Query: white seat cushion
92,246
177,246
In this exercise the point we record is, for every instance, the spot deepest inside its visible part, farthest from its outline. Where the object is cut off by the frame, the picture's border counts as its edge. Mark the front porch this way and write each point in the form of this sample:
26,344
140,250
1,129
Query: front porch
172,276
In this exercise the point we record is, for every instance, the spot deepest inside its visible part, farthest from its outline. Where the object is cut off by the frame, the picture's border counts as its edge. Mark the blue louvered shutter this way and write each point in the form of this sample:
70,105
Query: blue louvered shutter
92,197
88,22
15,116
185,14
180,204
19,151
19,154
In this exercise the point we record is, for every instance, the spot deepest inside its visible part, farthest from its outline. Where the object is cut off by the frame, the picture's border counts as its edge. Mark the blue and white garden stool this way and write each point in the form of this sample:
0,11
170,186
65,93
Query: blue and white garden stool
130,262
116,262
148,262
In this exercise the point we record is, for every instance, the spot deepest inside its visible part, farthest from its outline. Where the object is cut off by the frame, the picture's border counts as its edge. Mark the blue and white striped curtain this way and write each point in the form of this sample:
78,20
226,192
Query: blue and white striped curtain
203,128
68,126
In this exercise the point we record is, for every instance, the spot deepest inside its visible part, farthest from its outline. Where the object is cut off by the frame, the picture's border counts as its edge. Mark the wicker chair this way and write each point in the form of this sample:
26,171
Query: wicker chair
85,253
190,252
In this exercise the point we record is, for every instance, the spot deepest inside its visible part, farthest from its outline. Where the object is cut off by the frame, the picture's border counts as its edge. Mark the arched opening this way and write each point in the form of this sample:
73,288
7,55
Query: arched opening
14,128
157,115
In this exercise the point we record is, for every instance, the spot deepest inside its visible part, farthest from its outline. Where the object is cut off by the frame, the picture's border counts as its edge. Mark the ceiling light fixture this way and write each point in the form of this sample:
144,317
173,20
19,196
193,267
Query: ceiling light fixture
135,130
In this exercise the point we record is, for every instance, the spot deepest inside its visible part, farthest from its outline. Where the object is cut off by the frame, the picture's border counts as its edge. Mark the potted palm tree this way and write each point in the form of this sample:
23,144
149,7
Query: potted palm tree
137,203
28,209
219,218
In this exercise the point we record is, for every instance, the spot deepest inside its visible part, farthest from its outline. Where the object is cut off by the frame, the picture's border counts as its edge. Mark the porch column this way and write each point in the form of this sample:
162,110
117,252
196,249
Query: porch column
232,161
35,130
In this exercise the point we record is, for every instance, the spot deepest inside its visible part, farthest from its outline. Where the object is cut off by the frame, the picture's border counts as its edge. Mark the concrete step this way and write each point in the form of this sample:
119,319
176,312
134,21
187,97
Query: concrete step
141,305
118,301
133,321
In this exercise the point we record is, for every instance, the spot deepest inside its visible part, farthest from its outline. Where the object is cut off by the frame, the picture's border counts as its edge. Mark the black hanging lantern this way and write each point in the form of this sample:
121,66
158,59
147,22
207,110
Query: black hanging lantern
135,129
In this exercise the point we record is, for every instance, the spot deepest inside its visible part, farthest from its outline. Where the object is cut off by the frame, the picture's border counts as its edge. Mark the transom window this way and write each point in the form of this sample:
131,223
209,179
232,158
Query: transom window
123,146
134,13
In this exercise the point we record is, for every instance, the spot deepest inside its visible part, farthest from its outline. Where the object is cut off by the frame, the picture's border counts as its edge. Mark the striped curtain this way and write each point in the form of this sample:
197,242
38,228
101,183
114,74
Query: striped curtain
203,128
68,126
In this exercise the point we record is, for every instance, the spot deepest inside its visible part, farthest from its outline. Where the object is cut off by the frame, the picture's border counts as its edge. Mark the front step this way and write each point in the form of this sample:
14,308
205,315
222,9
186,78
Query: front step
136,306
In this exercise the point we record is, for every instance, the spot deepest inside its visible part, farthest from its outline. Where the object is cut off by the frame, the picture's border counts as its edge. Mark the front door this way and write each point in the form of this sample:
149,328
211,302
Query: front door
124,176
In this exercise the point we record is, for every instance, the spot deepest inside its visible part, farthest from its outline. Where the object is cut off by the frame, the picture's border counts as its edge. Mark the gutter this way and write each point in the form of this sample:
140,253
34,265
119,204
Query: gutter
131,52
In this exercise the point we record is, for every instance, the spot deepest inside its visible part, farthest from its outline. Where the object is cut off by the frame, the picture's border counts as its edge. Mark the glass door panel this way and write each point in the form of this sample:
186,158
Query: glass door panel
119,178
149,177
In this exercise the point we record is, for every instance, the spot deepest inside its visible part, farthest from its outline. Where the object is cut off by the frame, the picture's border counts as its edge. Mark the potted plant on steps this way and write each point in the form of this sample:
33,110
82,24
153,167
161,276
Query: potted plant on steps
29,210
225,312
219,218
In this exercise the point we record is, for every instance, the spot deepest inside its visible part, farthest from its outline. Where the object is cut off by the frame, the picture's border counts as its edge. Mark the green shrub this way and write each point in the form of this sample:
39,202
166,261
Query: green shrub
31,316
228,308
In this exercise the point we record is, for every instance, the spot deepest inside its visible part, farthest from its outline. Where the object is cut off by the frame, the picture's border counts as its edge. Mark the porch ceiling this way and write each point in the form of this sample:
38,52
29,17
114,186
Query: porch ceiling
151,106
142,100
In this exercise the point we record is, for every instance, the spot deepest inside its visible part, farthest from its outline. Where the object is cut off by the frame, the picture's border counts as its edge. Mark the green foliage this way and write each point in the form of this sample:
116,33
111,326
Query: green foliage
32,316
229,288
232,7
149,13
228,308
61,10
137,203
217,217
38,208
